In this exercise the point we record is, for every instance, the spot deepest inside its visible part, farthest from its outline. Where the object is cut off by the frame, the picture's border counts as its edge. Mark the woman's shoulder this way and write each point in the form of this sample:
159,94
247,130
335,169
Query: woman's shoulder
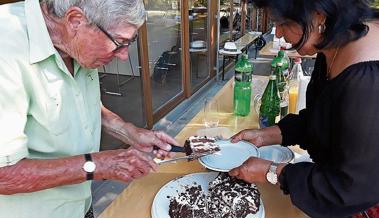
361,69
361,55
358,78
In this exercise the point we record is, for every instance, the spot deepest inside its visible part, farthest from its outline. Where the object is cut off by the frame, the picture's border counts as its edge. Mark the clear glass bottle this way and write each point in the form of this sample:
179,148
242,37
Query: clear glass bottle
293,83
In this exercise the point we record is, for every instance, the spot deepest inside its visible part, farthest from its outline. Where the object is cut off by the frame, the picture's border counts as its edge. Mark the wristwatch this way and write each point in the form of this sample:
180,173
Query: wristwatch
89,166
271,175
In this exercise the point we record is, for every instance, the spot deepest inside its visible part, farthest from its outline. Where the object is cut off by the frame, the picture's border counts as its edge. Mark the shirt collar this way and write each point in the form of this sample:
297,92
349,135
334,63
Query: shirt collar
41,47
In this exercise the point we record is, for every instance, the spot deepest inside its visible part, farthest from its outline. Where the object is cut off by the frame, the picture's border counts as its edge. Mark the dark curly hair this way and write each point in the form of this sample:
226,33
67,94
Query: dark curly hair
345,19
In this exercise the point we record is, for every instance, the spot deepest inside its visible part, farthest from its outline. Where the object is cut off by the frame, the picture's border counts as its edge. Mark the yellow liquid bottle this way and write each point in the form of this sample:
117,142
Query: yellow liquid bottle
293,92
294,85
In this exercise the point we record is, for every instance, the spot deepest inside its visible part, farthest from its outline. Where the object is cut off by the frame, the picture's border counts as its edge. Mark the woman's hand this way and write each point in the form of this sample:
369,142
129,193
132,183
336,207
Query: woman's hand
253,170
123,164
260,137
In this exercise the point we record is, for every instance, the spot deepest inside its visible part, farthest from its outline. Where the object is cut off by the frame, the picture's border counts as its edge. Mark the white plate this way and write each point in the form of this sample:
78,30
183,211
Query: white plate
276,153
230,156
161,203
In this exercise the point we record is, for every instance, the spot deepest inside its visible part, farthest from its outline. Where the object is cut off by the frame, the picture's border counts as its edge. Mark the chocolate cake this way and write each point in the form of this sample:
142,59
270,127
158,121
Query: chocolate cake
198,145
191,203
226,197
232,197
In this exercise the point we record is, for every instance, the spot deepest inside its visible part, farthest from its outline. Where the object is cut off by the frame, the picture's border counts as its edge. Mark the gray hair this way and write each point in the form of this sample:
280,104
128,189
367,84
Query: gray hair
102,12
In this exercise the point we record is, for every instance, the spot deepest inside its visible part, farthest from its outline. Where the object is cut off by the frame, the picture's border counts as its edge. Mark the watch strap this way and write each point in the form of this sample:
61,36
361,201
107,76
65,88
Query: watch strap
273,167
88,158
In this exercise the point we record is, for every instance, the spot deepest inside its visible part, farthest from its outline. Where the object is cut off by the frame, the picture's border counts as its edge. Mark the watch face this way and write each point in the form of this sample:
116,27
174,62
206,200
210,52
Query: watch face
89,166
272,178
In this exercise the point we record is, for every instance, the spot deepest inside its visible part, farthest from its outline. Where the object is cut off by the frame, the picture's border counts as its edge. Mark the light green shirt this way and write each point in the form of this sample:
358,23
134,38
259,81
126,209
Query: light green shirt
45,112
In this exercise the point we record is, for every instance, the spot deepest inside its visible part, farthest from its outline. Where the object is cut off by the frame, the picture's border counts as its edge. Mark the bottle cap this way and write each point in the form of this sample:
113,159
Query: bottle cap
281,53
298,60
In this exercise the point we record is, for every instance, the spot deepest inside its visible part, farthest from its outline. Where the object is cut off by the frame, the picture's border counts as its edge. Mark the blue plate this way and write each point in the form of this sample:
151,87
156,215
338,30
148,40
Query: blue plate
230,156
276,153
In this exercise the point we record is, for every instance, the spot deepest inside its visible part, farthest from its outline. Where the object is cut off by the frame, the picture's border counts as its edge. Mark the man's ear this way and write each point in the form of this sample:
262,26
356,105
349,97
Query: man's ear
74,18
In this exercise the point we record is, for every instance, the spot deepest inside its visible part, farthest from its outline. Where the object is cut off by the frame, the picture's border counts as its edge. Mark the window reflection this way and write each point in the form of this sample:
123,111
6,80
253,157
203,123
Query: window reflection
164,48
199,38
121,92
230,14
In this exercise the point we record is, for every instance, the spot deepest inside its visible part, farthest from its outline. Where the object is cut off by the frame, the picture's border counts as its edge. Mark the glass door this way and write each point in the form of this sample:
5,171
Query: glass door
121,92
199,48
164,51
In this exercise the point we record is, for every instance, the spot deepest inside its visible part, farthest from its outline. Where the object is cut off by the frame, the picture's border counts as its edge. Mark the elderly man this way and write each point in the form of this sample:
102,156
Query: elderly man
51,115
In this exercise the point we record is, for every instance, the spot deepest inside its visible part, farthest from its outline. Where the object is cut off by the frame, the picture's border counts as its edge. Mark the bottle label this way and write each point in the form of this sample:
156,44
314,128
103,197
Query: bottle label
242,76
264,122
283,110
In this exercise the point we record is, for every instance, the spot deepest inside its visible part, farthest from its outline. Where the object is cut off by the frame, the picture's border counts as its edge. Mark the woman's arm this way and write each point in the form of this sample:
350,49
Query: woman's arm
260,137
345,176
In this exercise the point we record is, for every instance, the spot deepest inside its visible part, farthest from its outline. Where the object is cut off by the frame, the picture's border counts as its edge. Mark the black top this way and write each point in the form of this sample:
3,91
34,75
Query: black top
340,130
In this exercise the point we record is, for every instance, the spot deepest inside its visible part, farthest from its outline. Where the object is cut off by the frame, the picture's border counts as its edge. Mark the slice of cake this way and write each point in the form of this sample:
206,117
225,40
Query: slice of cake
199,145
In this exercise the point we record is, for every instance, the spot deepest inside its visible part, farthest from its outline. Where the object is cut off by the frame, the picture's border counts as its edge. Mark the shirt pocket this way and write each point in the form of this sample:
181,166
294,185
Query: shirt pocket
57,117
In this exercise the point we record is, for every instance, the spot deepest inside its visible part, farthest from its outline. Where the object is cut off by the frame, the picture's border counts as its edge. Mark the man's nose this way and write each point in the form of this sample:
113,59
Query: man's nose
122,53
278,31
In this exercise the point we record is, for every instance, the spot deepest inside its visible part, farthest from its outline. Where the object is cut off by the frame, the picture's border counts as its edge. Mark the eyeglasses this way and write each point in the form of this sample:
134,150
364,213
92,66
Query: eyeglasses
119,45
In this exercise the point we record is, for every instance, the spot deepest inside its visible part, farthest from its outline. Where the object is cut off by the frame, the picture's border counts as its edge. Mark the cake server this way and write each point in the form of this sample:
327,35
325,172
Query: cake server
187,157
174,148
180,149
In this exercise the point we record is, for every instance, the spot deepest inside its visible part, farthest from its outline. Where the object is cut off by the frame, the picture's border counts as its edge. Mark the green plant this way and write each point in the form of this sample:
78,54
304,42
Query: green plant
201,3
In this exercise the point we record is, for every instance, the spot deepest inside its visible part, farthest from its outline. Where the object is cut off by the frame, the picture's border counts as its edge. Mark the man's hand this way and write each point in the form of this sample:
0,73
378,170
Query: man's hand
157,142
141,139
260,137
123,164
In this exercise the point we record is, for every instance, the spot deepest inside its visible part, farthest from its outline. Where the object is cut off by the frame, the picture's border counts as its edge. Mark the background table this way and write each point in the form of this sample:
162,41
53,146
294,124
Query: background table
136,200
268,51
243,44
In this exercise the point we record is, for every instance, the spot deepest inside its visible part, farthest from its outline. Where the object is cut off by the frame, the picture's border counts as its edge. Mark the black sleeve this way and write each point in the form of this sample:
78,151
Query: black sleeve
293,128
350,183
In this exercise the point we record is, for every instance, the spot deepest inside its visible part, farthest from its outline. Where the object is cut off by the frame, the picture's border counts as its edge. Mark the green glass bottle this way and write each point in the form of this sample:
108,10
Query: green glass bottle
283,89
270,104
274,62
286,62
280,79
242,86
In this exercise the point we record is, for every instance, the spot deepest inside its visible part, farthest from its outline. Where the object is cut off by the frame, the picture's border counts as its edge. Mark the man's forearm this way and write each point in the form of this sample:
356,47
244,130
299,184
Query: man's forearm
35,175
115,126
